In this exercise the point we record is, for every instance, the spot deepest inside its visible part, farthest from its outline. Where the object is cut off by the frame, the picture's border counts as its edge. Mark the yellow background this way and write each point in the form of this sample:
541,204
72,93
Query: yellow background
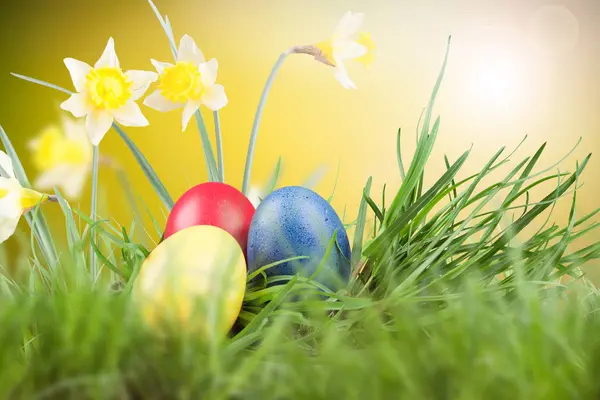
514,70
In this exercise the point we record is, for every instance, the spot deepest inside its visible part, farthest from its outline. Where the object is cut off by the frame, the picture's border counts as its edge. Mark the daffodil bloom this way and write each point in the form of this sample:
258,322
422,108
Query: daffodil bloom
105,93
14,199
64,157
188,84
345,45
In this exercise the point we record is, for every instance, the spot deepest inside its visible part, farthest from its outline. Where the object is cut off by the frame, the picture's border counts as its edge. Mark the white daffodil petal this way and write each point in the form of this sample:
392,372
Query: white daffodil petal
6,165
77,105
130,115
75,129
74,183
189,51
349,24
214,97
160,66
109,56
254,195
70,178
208,72
158,102
52,177
78,70
8,226
141,81
342,76
10,198
189,110
97,123
347,50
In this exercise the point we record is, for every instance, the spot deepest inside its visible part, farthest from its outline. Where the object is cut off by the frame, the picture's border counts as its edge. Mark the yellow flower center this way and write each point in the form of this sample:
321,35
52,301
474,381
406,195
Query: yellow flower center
53,148
108,87
181,82
365,40
3,192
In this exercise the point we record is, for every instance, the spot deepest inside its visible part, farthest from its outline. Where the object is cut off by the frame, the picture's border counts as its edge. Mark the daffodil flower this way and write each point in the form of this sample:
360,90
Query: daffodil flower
105,93
14,199
188,84
64,157
344,45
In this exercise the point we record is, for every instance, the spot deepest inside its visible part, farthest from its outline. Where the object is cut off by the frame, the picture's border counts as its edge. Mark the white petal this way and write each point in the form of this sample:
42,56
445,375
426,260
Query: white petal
52,177
188,51
75,129
189,110
77,105
349,24
160,66
208,72
109,57
78,70
347,50
342,76
70,178
141,81
158,102
6,165
97,123
8,226
75,182
254,195
10,203
130,115
214,97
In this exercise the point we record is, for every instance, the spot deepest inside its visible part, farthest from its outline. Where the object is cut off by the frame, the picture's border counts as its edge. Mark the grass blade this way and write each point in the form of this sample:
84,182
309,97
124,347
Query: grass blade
357,246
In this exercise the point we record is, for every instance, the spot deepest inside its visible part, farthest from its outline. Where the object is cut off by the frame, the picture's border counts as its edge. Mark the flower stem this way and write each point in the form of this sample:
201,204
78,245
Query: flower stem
209,156
257,118
219,146
93,267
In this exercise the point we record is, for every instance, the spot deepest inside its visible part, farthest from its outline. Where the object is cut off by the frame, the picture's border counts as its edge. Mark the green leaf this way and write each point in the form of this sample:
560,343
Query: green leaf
154,180
360,228
274,178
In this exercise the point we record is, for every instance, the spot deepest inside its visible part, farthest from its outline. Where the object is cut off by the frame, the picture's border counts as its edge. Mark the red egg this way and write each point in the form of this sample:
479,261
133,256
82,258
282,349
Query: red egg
215,204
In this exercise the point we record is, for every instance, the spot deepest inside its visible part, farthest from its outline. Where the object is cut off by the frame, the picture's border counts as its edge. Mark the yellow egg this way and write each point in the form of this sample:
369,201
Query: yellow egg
196,279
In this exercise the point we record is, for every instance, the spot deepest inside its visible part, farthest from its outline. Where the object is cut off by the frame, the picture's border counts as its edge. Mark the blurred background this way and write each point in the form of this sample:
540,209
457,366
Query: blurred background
516,68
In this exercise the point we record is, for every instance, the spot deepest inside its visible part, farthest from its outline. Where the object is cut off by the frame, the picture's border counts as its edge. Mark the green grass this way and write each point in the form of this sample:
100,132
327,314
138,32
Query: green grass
453,296
80,343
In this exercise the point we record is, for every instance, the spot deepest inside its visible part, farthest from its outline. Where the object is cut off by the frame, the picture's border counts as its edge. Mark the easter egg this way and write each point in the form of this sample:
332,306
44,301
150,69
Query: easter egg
295,221
215,204
195,279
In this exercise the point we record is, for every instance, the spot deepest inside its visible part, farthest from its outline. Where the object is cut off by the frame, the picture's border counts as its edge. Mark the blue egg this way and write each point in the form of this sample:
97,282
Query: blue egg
295,221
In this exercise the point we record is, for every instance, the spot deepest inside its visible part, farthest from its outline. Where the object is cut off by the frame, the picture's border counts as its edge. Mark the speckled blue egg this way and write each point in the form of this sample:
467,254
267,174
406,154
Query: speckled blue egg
295,221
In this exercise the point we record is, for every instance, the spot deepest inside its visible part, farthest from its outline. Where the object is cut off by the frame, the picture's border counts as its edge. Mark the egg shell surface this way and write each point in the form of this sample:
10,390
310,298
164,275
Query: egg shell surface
295,221
216,204
195,279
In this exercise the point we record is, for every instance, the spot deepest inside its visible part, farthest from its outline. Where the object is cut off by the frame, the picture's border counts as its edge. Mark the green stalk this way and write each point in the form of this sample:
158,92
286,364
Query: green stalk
257,118
221,166
209,157
93,267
